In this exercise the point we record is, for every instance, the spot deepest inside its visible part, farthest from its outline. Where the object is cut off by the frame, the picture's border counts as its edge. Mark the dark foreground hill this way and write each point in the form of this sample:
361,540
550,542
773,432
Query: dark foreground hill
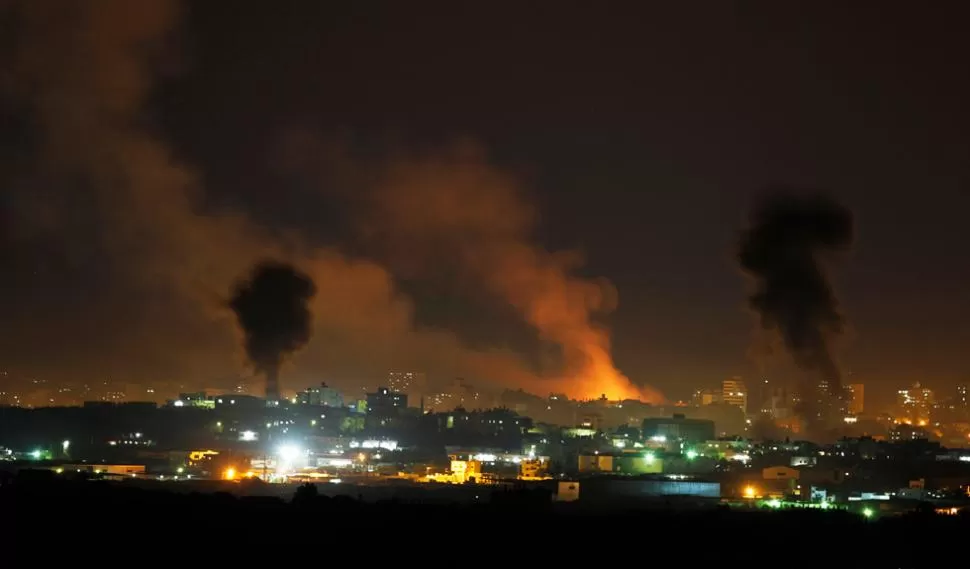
96,518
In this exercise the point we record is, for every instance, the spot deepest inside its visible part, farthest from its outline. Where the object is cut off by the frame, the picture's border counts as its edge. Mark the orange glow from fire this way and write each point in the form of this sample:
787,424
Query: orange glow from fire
599,378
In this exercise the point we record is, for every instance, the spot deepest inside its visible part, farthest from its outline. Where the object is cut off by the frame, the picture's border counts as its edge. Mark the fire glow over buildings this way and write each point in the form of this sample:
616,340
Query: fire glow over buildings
310,271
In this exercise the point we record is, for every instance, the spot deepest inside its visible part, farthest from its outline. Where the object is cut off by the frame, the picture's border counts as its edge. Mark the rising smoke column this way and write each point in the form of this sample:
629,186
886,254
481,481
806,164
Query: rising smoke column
454,209
105,206
782,251
272,309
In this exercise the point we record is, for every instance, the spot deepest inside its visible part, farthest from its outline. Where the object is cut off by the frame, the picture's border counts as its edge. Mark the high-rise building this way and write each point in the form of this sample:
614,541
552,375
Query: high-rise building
961,399
828,403
914,404
385,400
322,395
410,382
384,407
765,393
855,395
780,404
706,397
734,392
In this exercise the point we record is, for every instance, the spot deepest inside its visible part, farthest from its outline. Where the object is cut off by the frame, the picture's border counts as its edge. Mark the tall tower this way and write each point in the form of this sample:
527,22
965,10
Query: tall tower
734,392
857,398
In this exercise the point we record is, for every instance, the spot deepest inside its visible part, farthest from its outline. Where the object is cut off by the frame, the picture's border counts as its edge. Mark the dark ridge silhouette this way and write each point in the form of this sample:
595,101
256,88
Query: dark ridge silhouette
42,510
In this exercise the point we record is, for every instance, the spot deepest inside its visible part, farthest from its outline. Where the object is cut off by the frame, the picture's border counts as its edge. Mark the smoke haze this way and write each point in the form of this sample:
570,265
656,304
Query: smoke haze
454,209
783,251
106,207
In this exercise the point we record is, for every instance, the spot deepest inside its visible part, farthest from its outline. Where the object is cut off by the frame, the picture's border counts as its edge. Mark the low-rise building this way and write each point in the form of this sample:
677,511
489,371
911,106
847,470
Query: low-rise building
620,463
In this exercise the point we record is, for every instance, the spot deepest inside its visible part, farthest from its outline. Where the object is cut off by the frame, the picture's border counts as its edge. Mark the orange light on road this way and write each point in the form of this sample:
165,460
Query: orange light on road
749,492
230,474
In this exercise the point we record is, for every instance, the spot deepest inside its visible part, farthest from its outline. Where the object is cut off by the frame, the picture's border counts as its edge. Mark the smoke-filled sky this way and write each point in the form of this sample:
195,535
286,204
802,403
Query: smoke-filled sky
512,191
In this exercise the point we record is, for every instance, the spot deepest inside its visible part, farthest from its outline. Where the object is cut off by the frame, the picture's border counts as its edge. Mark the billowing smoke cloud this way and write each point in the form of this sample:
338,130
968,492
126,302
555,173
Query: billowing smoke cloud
106,211
782,251
271,306
455,210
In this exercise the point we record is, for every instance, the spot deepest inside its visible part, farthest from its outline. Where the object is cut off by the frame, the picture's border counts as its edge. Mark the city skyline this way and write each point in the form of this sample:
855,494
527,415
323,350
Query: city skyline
413,238
280,274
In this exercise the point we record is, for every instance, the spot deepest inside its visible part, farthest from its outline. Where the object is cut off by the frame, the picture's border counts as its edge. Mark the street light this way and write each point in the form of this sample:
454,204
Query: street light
289,453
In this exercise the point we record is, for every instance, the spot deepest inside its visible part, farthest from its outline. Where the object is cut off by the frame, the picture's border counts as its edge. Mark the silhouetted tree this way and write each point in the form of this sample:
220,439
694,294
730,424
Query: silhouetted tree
305,495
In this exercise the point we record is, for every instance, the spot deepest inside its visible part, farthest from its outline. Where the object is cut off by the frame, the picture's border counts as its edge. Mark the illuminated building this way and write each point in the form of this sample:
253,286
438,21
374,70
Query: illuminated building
110,469
612,487
384,407
578,433
776,402
239,402
196,399
491,423
914,405
706,397
907,432
320,396
728,450
567,491
466,470
778,481
535,469
679,428
593,421
198,458
734,392
855,393
409,382
621,463
830,404
384,400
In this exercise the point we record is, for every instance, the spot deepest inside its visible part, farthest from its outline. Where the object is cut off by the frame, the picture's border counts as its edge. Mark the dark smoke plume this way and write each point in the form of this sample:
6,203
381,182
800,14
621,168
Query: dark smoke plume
272,309
782,251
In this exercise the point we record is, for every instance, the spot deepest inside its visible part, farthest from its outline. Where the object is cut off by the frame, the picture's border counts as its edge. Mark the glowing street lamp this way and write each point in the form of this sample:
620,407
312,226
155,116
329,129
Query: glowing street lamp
289,453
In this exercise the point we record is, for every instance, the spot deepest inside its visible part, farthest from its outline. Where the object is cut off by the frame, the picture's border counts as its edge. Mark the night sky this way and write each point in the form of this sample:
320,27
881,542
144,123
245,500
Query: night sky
639,135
